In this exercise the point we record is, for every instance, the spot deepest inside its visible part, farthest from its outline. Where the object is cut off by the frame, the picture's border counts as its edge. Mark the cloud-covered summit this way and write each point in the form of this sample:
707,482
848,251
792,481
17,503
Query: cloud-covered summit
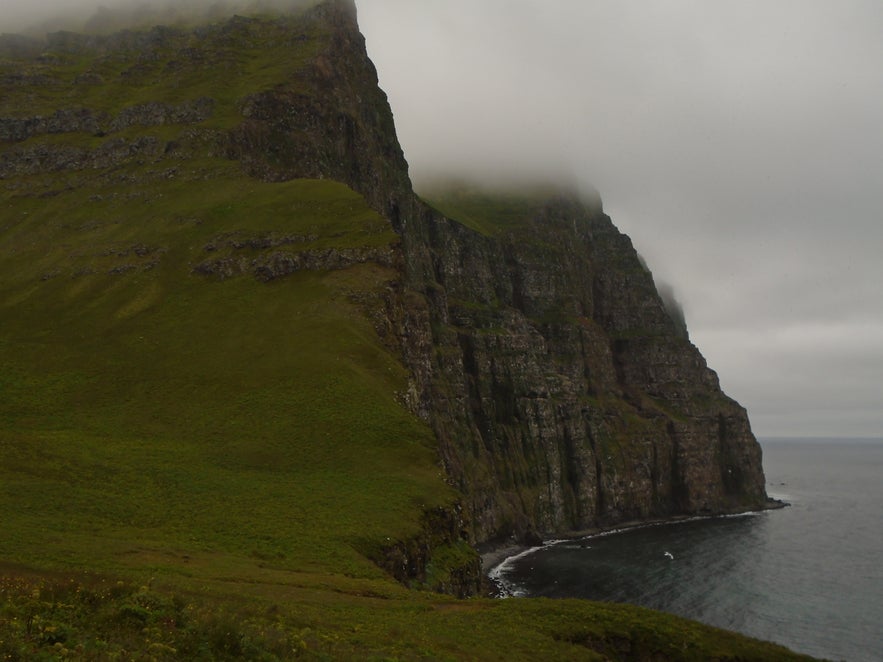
739,144
102,15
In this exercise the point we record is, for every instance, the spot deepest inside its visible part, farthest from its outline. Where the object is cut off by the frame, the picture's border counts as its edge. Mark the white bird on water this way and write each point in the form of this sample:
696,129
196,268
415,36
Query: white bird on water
669,555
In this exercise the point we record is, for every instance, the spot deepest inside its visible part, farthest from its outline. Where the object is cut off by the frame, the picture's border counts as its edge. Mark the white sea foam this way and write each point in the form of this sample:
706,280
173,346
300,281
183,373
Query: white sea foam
498,574
749,513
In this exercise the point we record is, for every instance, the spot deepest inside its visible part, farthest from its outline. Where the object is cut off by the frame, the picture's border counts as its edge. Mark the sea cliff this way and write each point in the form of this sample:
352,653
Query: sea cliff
561,393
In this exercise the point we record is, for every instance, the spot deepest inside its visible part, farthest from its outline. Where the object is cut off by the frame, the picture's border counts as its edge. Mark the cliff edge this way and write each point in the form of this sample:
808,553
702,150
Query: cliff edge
563,395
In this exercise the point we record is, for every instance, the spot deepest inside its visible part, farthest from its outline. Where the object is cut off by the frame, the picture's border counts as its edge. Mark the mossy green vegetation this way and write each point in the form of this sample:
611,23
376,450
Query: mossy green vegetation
161,65
236,417
489,212
86,617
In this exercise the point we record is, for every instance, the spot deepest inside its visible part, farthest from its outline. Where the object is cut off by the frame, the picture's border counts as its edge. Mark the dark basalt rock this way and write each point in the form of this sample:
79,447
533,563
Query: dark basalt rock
83,120
275,264
562,393
19,46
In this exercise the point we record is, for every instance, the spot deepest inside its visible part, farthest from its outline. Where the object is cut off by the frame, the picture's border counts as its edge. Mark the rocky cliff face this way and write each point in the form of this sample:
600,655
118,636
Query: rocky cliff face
562,394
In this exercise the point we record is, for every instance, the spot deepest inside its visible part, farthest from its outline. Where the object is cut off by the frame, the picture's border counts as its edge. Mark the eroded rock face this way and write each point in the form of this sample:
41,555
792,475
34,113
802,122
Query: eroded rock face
562,393
83,120
270,265
329,120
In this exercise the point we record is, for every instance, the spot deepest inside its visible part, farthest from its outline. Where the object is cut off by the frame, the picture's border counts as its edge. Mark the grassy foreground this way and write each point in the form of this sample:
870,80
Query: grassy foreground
95,618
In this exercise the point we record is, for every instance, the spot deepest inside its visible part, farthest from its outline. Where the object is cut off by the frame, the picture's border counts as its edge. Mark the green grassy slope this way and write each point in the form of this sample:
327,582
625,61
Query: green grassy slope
148,410
489,213
164,65
89,618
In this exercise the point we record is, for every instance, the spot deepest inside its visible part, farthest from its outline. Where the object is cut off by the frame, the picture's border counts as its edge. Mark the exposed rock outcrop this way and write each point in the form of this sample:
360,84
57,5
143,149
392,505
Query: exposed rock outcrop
19,46
438,558
83,120
562,393
34,159
330,119
274,264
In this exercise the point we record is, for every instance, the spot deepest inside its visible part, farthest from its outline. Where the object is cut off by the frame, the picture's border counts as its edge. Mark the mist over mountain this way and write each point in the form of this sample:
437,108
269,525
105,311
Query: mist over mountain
110,15
738,143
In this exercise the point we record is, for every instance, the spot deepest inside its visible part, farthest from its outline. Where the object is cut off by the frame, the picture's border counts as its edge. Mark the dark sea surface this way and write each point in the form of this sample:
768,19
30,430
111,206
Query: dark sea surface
809,576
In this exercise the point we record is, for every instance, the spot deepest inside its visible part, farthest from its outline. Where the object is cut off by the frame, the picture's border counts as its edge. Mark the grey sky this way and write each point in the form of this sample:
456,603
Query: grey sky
738,142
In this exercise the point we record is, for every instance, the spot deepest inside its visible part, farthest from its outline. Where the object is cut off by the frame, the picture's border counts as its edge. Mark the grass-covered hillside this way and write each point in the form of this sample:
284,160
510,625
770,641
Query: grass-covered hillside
185,368
202,446
151,411
195,464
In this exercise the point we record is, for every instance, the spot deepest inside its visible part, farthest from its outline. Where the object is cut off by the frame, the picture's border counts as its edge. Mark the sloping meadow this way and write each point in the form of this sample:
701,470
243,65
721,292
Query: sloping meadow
188,365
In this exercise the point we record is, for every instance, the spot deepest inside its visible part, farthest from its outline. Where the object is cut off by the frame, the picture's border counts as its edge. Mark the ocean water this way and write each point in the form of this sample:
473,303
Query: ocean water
809,576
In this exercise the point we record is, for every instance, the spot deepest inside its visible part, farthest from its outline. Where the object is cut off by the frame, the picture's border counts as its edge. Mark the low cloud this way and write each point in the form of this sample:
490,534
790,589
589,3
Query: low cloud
37,18
739,144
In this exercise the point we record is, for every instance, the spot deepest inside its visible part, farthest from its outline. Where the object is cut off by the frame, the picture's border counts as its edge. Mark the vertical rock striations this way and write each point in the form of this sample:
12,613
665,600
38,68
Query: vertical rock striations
562,393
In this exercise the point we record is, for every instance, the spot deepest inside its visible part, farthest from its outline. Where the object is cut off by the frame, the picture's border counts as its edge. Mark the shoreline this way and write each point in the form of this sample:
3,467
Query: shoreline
495,556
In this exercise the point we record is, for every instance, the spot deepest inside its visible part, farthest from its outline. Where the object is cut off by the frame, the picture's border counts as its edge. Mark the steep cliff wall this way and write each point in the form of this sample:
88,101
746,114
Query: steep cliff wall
561,393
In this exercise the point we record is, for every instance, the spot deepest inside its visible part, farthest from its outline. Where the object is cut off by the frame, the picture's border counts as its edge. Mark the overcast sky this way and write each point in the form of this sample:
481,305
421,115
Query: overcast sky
738,142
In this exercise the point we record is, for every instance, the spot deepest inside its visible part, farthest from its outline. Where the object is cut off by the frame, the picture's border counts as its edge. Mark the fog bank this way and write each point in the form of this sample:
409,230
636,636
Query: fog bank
738,143
38,18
